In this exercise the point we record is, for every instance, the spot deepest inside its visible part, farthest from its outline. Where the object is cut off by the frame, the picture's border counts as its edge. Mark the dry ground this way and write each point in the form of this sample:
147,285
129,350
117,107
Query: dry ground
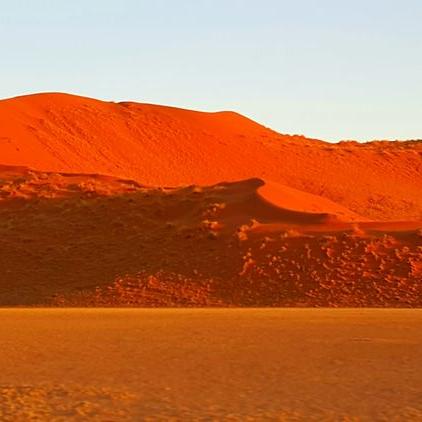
208,364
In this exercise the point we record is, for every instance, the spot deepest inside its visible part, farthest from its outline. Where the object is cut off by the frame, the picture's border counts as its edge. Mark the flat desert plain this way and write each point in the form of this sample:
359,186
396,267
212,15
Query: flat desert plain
210,364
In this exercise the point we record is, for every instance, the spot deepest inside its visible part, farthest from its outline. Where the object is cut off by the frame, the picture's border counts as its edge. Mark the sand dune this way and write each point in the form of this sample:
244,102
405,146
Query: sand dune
75,239
126,204
166,146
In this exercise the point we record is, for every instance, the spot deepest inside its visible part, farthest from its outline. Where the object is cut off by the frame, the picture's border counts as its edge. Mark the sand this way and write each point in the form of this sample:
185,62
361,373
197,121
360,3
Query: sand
108,205
92,240
167,146
127,204
273,364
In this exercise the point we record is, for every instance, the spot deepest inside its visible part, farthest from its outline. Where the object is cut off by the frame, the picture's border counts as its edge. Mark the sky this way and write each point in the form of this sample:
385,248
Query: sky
328,69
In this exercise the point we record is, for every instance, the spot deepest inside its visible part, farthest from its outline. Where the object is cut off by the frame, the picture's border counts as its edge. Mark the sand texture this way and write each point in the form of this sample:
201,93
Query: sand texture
167,146
126,204
230,365
80,240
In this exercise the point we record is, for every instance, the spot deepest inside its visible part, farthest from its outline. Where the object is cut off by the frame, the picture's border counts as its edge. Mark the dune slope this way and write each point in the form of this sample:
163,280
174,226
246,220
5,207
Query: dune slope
75,239
165,146
126,204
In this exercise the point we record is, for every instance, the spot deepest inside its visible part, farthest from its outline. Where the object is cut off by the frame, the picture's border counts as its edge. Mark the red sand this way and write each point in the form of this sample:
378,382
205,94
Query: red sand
210,365
164,146
97,240
283,221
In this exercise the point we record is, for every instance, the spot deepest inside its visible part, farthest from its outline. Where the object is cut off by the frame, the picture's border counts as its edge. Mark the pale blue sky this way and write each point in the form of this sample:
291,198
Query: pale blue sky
329,69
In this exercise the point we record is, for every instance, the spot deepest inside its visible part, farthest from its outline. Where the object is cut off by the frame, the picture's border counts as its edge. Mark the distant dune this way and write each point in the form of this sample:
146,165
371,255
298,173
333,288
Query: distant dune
166,146
105,204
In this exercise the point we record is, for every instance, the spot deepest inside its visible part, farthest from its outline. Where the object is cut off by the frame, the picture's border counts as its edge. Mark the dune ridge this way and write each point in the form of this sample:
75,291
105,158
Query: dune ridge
127,204
92,240
166,146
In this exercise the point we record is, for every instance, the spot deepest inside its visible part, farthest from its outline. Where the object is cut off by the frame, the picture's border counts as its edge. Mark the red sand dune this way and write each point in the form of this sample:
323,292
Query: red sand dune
165,146
77,239
133,204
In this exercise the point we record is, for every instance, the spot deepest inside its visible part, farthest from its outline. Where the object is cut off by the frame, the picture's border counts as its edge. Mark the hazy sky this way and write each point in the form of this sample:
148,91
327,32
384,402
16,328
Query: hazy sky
332,69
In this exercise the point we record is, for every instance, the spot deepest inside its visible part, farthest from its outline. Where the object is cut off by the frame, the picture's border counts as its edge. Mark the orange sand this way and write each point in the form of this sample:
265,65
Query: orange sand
268,219
222,364
97,240
164,146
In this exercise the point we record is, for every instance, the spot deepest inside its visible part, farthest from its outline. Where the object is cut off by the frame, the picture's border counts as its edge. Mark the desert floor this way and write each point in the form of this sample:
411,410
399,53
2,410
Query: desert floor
203,364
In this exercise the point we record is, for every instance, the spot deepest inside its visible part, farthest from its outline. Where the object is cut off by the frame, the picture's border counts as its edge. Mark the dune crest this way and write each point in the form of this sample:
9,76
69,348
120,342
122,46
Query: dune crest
167,146
77,240
126,204
238,202
298,201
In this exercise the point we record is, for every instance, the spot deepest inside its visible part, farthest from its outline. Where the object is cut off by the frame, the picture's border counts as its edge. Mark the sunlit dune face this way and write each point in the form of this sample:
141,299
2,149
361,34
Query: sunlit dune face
126,204
164,146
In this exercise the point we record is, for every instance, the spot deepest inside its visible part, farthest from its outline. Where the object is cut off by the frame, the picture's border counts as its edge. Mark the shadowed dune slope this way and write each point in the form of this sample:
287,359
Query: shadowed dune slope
166,146
76,239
